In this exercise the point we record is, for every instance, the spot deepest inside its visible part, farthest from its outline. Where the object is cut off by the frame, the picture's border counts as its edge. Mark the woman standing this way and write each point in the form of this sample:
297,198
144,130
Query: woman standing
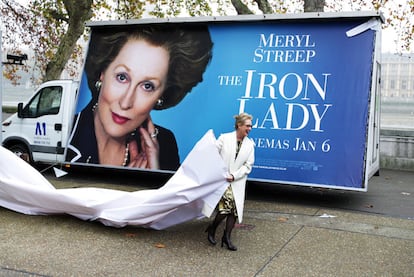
237,151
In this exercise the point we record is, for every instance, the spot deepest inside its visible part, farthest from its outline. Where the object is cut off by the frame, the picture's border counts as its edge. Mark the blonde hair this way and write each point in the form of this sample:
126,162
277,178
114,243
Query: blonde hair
241,119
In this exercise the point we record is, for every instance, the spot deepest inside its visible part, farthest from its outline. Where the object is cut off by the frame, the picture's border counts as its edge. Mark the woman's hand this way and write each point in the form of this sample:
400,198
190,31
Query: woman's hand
230,178
149,156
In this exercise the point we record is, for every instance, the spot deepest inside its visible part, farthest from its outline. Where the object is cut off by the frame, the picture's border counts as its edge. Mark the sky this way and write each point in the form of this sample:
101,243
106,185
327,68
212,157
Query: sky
389,35
388,41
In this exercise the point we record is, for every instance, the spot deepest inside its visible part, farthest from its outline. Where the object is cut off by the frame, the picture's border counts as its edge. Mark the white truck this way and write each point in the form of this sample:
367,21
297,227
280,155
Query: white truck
311,82
40,128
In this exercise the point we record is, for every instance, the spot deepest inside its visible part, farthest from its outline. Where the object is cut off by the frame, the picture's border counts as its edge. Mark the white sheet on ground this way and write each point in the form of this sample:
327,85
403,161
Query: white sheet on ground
192,192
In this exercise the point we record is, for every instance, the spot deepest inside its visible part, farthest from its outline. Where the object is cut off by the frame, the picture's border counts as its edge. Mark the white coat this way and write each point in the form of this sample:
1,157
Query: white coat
239,167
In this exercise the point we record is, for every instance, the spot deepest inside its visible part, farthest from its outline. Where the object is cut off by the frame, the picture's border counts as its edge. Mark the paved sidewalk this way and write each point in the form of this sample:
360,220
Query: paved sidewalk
287,231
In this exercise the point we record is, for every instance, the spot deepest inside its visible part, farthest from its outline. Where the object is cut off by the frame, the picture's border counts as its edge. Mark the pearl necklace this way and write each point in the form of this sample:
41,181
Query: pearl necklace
126,155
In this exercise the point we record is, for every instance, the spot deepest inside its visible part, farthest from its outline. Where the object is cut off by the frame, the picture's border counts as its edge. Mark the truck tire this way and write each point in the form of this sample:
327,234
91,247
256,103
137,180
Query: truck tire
21,151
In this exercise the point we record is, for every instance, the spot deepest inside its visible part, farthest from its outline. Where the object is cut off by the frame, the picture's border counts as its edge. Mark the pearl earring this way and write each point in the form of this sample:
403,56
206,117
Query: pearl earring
98,85
159,104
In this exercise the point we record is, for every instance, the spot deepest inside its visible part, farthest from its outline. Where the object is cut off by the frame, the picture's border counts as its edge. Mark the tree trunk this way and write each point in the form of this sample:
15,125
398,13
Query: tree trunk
240,7
314,5
78,12
264,6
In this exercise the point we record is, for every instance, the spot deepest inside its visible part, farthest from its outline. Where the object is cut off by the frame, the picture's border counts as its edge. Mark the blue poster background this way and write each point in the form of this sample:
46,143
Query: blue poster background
334,154
307,85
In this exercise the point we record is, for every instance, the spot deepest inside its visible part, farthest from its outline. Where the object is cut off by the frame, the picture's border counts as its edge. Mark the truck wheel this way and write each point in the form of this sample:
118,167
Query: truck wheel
21,151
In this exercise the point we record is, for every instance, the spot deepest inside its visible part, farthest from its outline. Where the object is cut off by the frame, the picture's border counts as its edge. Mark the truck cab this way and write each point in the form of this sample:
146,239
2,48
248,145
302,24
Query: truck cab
40,129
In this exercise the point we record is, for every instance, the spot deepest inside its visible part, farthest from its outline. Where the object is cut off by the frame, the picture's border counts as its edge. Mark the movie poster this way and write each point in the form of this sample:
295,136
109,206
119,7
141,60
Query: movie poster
307,85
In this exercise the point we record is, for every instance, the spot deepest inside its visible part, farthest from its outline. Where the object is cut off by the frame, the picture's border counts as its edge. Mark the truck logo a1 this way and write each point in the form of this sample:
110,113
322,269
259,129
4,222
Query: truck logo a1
40,129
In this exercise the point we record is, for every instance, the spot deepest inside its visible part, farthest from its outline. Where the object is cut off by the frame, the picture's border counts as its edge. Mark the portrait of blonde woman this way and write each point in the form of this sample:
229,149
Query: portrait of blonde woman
131,72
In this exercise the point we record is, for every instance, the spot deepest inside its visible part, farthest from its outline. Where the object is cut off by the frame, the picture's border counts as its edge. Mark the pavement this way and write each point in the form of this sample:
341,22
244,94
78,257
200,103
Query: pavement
287,231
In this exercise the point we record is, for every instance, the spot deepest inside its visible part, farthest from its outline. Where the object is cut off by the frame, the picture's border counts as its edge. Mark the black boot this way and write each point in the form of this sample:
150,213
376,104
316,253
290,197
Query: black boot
231,220
226,240
211,229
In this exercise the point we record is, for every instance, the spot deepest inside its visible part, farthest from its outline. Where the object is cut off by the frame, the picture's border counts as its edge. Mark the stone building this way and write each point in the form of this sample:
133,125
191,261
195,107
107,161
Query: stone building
397,75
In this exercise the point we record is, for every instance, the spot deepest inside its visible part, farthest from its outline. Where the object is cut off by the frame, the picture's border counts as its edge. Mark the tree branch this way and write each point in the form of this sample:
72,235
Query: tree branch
264,6
240,7
314,5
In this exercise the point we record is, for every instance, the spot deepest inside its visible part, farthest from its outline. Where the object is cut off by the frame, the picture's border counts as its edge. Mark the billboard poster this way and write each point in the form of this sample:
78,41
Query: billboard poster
306,83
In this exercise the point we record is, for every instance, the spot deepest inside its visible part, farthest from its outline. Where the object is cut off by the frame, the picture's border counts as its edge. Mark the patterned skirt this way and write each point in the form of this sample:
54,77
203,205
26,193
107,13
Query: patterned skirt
227,205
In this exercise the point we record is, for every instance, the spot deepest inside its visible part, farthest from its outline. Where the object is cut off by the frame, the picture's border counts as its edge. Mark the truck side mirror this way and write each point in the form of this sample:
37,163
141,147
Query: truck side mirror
20,110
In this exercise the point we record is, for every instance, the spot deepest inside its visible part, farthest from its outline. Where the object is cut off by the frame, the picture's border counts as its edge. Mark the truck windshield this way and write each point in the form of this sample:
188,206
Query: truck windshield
47,101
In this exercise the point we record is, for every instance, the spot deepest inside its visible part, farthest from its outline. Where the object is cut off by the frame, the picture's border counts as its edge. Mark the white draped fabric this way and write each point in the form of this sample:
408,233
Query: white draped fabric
192,192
